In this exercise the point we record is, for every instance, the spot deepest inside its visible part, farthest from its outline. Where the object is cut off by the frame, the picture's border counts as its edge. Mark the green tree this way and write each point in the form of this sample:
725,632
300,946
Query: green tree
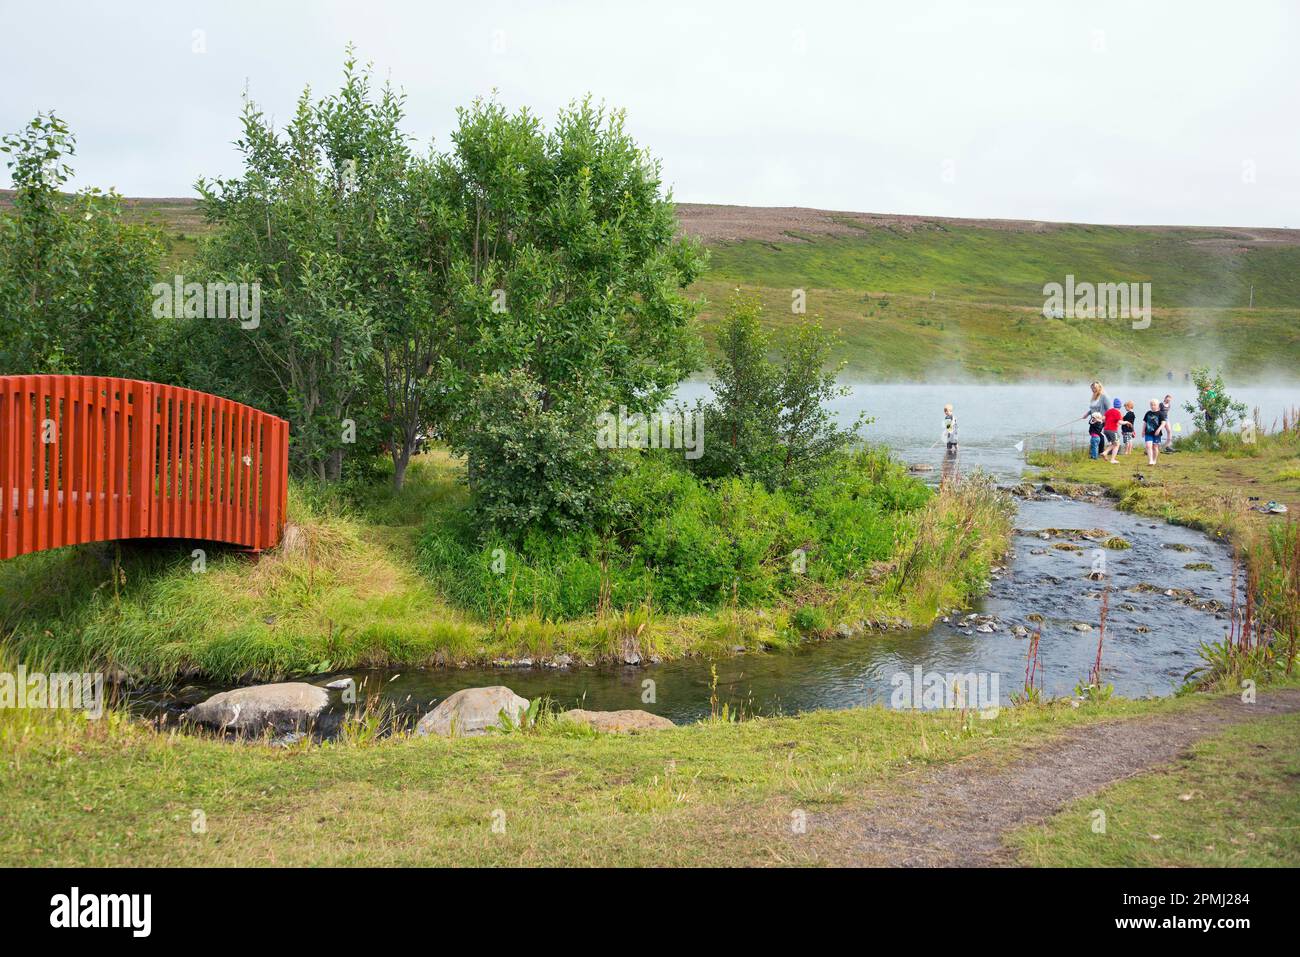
564,270
1214,411
742,422
308,221
768,419
532,465
809,435
74,278
395,286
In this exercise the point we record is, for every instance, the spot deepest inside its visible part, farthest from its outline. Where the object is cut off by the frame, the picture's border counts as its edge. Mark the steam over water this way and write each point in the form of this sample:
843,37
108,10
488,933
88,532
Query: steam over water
991,419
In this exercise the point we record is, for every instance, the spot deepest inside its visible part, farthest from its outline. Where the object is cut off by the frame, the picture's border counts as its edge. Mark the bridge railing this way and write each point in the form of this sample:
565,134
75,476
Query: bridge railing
91,458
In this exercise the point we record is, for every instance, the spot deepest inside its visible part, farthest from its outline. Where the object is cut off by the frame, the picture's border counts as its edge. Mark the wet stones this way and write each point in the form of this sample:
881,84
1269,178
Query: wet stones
1050,490
975,622
1184,596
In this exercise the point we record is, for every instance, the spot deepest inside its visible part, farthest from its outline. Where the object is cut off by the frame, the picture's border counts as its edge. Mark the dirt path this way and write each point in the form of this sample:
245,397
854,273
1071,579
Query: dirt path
959,814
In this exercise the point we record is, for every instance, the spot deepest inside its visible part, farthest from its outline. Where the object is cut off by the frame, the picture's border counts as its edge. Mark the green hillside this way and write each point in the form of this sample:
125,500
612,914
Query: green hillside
945,299
933,298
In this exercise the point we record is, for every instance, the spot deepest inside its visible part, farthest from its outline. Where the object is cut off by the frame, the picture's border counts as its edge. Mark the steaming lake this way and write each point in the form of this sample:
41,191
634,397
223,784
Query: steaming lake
991,419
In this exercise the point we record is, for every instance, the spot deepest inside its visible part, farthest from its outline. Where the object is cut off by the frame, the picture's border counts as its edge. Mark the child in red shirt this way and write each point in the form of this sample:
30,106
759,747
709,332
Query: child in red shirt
1110,430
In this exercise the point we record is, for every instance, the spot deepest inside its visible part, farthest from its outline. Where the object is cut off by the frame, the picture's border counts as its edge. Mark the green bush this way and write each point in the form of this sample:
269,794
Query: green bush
770,420
534,464
680,544
810,620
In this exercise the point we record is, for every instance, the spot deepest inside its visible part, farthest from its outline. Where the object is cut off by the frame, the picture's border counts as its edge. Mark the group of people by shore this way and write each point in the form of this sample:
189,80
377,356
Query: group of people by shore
1112,426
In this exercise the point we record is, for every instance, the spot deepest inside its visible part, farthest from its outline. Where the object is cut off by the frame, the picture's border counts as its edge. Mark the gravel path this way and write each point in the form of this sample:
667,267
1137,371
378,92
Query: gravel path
958,815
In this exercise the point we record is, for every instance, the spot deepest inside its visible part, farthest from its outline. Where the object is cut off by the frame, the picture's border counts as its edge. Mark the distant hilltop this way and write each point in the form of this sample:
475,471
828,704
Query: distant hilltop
717,223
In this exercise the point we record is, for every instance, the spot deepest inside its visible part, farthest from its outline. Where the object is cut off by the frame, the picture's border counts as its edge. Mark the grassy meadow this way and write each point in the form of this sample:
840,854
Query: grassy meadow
956,302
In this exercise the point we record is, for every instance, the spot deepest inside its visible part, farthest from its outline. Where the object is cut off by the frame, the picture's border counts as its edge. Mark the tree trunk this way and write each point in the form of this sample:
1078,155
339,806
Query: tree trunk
401,459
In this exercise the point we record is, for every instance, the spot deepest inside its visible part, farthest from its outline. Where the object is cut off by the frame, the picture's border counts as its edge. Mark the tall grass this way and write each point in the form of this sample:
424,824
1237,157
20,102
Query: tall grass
329,595
949,553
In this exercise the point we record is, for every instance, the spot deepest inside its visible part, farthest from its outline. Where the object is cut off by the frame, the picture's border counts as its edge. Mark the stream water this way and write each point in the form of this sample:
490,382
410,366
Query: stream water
1159,609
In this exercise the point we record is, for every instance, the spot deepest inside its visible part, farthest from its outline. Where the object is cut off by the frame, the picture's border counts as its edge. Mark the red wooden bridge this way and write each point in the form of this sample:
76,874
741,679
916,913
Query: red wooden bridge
92,459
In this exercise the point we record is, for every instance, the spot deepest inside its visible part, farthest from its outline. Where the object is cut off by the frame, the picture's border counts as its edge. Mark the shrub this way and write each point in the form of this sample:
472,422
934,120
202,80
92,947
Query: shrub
533,464
1214,411
677,544
768,421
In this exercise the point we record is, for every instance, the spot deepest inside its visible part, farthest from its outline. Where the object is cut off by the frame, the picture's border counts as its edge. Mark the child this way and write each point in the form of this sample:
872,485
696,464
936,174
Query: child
950,429
1153,425
1110,429
1094,434
1130,417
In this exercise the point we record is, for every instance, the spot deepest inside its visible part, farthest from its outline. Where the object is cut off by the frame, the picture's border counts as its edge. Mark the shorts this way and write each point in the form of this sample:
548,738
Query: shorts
1111,436
1128,437
1153,437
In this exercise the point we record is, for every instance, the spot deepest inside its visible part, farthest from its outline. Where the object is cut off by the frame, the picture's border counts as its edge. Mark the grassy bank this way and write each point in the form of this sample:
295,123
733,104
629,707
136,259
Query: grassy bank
715,793
1206,489
1230,802
359,583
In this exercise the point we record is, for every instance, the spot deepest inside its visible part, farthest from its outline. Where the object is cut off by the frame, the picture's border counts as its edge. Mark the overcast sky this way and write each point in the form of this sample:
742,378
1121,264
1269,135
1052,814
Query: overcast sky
1128,112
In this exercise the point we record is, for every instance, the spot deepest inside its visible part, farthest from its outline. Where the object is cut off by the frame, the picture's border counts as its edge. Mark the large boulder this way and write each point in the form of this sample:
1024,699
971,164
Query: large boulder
286,707
472,711
619,722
